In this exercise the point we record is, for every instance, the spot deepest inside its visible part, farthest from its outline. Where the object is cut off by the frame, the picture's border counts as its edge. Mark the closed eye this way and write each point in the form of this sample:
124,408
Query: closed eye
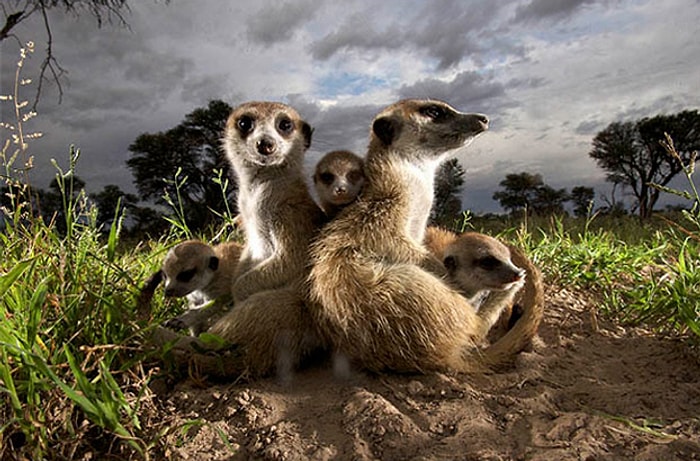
186,276
488,263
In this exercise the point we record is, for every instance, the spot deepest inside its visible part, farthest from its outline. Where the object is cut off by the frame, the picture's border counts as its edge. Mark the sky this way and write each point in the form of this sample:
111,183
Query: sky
550,74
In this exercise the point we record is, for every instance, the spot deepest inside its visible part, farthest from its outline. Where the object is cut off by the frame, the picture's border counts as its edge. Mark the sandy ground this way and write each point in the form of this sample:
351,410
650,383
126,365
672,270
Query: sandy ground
588,390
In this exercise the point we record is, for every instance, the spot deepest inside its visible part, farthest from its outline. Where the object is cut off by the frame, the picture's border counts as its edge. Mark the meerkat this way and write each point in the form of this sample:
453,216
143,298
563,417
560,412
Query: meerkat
202,273
269,327
338,179
265,143
373,295
484,269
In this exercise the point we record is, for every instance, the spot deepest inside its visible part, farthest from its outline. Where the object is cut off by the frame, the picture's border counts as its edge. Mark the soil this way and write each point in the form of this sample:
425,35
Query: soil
588,390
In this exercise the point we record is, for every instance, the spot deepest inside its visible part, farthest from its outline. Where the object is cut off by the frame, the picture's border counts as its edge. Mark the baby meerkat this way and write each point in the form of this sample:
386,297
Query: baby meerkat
202,273
338,180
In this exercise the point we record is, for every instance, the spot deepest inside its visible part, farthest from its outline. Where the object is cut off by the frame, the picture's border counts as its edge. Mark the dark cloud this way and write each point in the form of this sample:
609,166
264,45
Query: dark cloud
357,32
278,22
448,31
469,90
337,127
548,9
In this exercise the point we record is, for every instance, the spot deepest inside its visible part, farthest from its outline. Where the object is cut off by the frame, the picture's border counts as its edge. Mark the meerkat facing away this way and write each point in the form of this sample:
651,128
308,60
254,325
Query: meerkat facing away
202,273
371,295
265,143
338,179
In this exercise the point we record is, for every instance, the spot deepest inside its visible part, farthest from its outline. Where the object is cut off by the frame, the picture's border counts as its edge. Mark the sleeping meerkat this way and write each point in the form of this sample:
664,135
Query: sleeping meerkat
265,143
202,273
371,294
338,179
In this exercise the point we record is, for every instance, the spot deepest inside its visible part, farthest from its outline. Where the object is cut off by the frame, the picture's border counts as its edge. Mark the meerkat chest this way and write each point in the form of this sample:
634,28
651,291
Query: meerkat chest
260,239
420,180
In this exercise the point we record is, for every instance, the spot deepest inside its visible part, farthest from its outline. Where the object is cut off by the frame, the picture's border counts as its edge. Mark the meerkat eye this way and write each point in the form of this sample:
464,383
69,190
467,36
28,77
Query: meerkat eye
354,176
285,125
245,124
186,276
326,178
435,112
488,263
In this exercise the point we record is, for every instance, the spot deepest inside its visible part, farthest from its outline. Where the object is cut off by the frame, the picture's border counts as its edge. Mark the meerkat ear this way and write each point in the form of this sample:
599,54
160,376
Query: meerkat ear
153,281
450,263
213,263
387,129
307,131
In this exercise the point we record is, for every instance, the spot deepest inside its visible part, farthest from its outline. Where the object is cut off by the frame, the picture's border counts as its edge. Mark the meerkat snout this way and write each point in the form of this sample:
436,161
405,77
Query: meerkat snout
266,146
483,119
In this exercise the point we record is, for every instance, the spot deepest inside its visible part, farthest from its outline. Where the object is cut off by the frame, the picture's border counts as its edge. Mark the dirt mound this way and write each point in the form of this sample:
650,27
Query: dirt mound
587,390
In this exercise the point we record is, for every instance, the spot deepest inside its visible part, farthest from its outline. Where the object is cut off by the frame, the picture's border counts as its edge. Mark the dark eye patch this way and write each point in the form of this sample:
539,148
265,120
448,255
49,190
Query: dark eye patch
245,124
186,276
488,263
285,125
436,112
326,178
354,176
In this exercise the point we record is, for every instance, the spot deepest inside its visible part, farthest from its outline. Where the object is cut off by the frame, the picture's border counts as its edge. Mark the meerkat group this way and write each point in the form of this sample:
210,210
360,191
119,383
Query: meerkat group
363,282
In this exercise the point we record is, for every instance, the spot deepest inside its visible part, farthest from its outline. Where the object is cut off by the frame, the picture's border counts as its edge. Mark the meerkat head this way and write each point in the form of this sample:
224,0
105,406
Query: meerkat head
338,178
266,134
187,267
476,262
424,128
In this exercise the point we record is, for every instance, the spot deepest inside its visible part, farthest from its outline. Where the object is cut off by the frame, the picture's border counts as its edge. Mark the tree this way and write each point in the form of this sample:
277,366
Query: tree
520,191
582,199
182,163
106,201
633,157
549,201
448,185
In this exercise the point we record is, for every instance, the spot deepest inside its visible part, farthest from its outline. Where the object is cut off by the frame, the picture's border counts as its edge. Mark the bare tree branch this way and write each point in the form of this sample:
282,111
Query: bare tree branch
17,11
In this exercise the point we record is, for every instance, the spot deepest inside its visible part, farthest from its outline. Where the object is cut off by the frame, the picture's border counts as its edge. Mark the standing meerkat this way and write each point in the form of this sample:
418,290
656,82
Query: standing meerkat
265,143
269,327
338,179
372,296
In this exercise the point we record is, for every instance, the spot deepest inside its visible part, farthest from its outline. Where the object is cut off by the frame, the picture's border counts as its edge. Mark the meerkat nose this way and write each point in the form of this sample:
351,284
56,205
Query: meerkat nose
265,146
483,119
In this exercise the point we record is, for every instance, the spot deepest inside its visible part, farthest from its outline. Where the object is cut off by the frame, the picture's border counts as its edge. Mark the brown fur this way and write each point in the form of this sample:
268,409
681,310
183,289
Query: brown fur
202,273
270,325
372,297
265,143
528,300
338,179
